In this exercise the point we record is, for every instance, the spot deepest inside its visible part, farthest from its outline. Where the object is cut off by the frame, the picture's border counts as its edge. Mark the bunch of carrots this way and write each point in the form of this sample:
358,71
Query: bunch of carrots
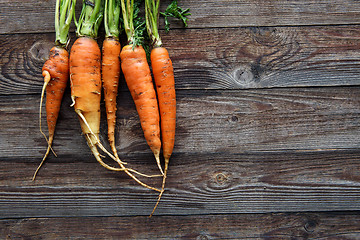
93,71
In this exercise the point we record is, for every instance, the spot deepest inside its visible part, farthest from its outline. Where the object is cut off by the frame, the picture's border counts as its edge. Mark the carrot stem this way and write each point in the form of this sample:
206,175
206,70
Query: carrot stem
152,23
134,25
90,18
64,11
127,9
112,13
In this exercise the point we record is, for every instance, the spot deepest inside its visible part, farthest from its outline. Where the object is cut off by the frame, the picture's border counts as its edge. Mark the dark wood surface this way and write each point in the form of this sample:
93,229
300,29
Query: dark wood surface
267,139
217,58
235,226
36,16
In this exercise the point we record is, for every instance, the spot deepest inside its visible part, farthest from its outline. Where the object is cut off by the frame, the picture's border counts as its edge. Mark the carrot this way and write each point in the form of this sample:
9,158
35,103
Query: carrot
111,66
85,77
164,80
110,75
165,87
138,79
56,72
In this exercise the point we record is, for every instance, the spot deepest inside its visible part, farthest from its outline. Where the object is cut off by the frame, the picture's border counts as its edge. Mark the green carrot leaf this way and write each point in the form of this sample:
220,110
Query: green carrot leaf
173,10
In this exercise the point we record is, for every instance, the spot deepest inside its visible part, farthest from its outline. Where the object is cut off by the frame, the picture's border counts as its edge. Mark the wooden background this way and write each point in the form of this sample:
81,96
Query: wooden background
267,141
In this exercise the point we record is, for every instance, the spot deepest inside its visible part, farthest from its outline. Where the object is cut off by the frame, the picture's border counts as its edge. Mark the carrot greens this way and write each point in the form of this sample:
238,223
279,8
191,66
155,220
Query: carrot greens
174,11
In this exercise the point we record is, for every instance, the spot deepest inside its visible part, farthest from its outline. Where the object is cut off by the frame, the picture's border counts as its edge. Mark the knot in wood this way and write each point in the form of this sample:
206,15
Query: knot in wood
39,51
221,178
310,226
220,181
234,118
243,76
202,237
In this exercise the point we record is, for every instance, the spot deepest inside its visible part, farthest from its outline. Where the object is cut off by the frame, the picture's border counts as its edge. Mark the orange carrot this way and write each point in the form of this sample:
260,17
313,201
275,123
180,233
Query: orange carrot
165,87
56,72
86,87
85,79
164,80
111,65
110,77
138,79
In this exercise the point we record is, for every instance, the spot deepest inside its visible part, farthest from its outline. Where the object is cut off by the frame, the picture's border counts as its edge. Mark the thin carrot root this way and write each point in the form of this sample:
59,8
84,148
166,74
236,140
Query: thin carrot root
138,181
45,156
142,174
157,157
47,79
113,149
134,171
162,187
94,150
94,142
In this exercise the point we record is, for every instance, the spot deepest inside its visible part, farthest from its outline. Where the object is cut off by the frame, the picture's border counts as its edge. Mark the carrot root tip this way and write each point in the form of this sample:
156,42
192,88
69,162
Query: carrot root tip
73,100
42,162
163,185
157,157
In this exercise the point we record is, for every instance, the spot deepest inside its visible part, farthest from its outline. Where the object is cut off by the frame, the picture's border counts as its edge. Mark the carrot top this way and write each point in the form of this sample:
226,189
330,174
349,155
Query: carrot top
91,15
152,21
64,11
174,11
152,18
112,18
134,25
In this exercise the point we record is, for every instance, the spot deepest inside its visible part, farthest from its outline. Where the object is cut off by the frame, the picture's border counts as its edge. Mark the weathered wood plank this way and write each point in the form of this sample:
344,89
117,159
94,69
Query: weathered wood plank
246,58
207,121
38,16
215,183
335,226
248,151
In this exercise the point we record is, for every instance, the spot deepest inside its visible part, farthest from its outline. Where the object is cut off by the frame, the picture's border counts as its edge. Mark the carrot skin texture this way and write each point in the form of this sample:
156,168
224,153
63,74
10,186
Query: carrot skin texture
56,75
85,79
139,81
58,67
165,87
110,79
85,83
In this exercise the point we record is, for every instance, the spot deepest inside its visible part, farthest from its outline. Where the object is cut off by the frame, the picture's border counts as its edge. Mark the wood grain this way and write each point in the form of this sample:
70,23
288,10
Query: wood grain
335,226
197,184
246,58
267,141
38,16
207,122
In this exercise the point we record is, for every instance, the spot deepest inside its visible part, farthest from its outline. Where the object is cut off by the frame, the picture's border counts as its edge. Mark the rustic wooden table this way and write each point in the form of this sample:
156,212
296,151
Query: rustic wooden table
267,141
